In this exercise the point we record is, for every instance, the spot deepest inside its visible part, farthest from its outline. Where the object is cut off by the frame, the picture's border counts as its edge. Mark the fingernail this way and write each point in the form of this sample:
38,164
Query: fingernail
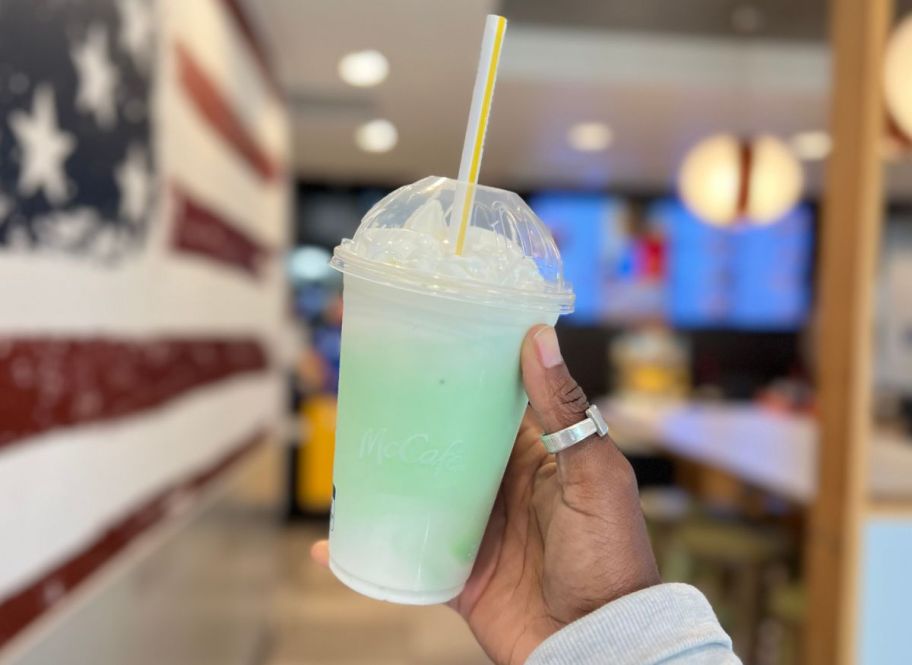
548,348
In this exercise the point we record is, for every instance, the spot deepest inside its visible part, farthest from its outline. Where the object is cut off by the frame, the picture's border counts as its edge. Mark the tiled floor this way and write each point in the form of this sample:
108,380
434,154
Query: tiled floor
318,621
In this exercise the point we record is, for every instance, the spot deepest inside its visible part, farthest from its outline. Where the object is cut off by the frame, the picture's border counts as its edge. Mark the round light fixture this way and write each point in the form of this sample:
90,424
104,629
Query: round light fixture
590,136
897,64
725,179
363,69
376,136
811,146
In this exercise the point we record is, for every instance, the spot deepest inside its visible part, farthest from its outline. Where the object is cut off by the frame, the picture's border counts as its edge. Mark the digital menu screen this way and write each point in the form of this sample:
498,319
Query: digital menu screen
614,257
630,263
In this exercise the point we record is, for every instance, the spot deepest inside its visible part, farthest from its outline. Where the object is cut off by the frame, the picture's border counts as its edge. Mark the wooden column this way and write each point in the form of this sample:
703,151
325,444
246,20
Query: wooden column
851,229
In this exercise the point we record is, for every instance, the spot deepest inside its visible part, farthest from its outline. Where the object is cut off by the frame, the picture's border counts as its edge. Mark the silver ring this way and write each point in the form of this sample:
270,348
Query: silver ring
570,436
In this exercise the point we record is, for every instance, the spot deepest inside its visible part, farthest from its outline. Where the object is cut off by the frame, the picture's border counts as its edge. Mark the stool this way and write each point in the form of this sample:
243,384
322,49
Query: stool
728,561
665,509
787,607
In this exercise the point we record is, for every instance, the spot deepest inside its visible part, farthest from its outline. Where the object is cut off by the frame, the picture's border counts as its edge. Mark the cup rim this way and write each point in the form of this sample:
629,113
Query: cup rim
471,291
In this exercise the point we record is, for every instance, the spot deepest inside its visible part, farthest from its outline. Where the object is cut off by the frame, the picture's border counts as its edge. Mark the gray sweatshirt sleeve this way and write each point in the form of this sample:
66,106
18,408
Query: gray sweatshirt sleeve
669,623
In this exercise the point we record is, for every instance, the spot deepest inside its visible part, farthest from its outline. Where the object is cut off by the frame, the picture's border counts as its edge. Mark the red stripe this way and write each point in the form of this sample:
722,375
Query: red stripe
746,159
218,112
260,56
202,231
48,383
42,594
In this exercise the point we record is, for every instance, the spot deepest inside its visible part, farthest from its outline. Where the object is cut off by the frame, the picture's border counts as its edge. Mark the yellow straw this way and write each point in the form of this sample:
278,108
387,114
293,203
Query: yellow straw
480,112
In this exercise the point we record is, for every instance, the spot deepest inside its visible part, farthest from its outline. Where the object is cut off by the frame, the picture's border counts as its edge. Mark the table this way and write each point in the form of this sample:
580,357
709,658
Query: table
773,451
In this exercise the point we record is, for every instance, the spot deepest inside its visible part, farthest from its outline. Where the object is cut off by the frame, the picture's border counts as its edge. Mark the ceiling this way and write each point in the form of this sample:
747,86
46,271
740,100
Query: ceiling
766,19
779,19
661,73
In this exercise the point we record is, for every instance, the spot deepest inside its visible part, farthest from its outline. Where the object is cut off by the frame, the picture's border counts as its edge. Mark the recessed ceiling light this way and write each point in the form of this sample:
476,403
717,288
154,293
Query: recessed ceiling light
376,136
363,69
590,136
811,146
747,19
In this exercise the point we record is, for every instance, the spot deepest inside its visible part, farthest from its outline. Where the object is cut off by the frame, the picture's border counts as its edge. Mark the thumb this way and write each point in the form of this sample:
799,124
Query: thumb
555,396
558,402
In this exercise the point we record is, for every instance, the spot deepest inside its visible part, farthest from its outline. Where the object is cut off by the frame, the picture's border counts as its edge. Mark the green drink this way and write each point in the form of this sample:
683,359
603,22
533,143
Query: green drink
430,396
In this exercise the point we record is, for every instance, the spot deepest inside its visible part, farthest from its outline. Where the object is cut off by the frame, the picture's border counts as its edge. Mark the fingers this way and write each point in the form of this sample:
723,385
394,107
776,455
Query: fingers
319,553
558,402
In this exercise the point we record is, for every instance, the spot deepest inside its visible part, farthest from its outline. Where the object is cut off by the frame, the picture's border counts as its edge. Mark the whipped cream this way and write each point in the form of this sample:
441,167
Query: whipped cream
423,245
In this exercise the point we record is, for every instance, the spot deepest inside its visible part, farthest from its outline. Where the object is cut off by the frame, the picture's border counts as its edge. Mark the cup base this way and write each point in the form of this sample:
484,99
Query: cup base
378,592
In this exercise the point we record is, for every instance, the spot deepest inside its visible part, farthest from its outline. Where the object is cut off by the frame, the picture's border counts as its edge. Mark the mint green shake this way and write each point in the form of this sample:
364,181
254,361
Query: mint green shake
430,393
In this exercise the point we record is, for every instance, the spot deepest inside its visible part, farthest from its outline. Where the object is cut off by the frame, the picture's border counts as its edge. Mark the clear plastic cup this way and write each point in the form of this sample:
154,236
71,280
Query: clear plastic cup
430,395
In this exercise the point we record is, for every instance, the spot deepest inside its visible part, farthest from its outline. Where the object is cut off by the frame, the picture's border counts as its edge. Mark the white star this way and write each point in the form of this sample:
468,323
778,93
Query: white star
134,183
18,238
44,147
136,29
98,76
107,245
67,228
80,231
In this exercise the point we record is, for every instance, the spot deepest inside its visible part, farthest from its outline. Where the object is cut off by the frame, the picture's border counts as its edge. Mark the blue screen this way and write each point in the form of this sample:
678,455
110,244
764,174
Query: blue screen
771,279
574,221
749,276
666,263
615,263
698,268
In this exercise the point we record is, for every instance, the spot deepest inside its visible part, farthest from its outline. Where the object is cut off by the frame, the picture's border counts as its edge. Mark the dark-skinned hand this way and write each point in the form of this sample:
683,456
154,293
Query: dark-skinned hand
566,534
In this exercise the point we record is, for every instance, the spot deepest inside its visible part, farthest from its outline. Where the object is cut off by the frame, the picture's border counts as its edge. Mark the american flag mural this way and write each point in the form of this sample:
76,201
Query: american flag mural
143,202
75,134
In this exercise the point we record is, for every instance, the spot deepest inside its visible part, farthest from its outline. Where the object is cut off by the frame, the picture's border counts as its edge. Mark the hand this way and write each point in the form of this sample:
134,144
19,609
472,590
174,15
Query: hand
566,534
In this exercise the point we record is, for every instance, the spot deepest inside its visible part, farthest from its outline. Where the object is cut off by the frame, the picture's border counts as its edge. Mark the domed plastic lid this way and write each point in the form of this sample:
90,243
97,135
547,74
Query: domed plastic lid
408,240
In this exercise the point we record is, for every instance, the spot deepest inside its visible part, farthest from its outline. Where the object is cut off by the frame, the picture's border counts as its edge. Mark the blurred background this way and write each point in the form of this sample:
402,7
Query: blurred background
729,185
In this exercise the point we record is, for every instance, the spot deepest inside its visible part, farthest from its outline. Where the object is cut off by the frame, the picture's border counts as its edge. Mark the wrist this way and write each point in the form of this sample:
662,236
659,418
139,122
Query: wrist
531,637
